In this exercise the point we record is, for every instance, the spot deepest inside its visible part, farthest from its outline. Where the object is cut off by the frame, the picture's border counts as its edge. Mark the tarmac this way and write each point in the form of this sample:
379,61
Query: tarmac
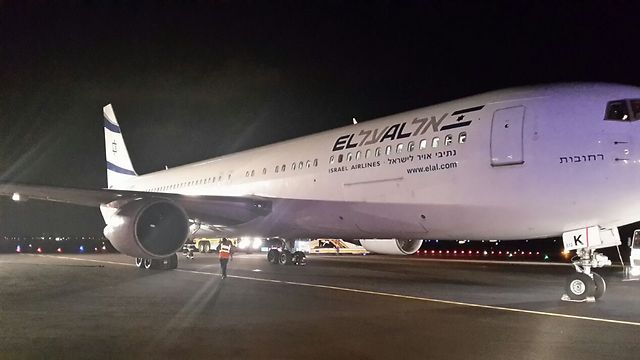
336,307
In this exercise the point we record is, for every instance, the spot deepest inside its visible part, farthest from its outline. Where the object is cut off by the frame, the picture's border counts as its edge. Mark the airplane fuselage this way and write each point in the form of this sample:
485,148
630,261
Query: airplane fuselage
513,164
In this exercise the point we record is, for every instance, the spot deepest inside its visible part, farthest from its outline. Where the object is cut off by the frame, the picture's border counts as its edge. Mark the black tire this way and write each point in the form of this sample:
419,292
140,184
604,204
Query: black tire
601,286
580,286
140,263
147,263
285,258
298,258
273,255
173,262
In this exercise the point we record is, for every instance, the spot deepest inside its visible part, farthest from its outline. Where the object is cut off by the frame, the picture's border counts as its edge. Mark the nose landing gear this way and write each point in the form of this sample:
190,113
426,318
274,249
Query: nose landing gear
586,285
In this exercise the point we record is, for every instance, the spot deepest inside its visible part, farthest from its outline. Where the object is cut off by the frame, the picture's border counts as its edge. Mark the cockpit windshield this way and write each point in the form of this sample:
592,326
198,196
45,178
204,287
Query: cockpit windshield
623,110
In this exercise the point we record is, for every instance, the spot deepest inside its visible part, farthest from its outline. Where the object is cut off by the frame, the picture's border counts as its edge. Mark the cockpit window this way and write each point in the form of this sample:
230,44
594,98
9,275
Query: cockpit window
623,110
617,110
635,108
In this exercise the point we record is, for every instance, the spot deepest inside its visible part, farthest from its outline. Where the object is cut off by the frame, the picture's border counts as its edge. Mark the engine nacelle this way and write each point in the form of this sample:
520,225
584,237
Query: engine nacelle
391,246
147,228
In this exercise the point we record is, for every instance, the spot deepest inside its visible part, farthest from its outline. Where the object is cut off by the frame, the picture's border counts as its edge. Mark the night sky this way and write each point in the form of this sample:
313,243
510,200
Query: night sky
198,79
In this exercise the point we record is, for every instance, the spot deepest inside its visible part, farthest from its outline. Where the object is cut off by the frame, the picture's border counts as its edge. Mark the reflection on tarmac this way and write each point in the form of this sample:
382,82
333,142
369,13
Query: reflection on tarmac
350,306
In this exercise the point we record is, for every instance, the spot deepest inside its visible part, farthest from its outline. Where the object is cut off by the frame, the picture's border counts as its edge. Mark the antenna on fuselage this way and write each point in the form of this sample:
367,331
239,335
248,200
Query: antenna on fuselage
355,121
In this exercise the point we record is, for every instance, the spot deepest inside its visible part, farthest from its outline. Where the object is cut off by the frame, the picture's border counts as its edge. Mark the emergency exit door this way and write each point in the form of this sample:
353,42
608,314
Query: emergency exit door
506,136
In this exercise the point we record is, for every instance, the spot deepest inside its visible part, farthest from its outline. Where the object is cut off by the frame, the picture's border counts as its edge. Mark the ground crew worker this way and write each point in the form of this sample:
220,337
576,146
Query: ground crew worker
224,254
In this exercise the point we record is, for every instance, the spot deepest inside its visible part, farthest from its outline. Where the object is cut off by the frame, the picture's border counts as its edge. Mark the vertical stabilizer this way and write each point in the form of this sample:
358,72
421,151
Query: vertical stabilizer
119,167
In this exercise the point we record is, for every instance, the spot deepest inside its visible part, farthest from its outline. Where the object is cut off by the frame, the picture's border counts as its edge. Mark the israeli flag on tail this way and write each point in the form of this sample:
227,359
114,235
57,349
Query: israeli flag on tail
119,168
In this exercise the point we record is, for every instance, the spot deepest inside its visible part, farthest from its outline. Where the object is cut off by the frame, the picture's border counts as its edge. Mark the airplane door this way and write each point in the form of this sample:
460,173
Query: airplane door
506,136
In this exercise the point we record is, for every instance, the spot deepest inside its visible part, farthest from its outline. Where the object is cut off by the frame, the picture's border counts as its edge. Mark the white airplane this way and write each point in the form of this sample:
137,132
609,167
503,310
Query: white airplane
522,163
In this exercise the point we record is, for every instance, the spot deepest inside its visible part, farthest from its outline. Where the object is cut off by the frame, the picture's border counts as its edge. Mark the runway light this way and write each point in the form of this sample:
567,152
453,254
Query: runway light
447,251
18,249
39,250
546,257
104,247
440,252
15,197
81,248
59,250
537,252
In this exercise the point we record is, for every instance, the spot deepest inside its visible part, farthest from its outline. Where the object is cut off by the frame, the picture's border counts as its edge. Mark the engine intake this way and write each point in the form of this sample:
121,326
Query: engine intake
391,246
147,228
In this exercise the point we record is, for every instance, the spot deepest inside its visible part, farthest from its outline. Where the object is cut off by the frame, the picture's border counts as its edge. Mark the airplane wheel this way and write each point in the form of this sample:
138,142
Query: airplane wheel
140,262
206,247
299,258
580,286
173,262
601,286
285,258
147,263
273,256
201,248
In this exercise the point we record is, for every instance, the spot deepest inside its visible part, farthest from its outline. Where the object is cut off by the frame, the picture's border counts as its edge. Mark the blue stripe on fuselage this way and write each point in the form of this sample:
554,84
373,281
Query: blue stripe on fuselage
120,170
111,126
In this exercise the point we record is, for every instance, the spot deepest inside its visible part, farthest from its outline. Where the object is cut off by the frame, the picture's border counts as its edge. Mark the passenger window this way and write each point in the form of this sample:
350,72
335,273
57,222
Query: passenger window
308,164
399,148
617,110
349,157
435,142
331,159
410,146
277,168
253,172
387,150
264,171
247,174
315,162
358,155
300,164
229,177
284,167
462,137
340,158
448,140
377,152
367,153
293,166
423,144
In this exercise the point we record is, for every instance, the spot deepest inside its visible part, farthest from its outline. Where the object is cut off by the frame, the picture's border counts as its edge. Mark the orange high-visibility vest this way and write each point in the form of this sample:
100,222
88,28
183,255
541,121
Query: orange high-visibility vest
225,251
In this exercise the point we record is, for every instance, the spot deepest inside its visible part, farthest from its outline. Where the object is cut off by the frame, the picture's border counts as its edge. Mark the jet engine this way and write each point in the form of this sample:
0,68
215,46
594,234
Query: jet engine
146,227
391,246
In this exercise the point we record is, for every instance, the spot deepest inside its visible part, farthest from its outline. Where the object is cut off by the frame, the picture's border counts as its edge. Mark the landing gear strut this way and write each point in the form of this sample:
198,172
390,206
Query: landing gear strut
586,285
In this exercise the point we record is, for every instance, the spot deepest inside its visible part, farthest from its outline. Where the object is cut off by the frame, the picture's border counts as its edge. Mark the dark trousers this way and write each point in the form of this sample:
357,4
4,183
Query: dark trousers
223,266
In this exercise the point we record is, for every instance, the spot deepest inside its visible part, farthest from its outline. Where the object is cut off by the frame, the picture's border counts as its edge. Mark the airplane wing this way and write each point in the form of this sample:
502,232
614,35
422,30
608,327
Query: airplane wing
219,210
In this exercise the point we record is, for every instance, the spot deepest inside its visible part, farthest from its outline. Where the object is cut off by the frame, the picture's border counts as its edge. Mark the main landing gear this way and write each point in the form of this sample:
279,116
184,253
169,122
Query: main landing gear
586,285
285,256
168,263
